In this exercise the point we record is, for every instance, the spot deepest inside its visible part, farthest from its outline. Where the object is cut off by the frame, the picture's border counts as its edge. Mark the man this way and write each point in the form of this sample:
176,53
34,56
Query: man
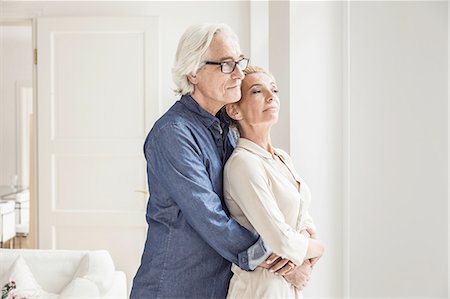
191,240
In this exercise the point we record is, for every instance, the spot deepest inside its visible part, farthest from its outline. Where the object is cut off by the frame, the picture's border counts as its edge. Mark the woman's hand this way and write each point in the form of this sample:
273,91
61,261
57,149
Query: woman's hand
315,249
299,277
312,233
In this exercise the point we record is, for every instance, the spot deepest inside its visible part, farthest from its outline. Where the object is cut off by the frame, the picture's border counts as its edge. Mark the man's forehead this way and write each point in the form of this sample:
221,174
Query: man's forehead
224,47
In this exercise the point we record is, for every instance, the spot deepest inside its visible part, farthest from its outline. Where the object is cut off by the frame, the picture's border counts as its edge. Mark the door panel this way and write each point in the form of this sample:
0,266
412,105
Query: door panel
96,100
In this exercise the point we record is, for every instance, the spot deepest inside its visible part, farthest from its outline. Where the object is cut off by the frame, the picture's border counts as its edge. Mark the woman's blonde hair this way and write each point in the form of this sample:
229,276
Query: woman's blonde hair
253,69
192,51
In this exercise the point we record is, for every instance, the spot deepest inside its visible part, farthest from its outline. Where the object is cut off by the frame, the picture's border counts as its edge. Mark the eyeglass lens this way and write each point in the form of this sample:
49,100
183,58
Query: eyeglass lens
229,67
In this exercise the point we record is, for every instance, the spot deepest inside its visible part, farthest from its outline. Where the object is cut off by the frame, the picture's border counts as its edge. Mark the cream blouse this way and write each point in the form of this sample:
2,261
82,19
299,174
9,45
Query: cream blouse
261,194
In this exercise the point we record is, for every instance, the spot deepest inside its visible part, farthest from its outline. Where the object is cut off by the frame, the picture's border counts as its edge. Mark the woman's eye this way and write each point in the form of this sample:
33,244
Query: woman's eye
256,91
275,91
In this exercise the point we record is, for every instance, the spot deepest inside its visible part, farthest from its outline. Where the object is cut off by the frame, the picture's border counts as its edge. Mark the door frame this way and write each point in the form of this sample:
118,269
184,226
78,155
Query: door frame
10,16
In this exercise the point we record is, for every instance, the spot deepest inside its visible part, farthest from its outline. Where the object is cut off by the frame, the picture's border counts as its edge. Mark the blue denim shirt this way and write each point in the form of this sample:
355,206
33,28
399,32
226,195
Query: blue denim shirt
191,240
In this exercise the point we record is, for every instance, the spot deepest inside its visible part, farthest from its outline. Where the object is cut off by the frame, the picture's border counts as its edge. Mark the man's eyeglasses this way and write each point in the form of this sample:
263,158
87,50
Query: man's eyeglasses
227,67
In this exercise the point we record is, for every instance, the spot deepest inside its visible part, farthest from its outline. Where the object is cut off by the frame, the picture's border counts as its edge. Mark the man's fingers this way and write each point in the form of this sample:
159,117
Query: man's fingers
279,265
272,258
287,269
269,262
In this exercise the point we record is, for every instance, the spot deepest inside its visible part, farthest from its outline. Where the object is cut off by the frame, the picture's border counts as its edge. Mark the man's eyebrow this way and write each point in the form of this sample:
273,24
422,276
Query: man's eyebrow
230,57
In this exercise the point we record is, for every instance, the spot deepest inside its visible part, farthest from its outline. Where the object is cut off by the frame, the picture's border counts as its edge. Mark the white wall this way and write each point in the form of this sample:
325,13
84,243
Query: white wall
397,149
280,66
316,129
15,65
369,133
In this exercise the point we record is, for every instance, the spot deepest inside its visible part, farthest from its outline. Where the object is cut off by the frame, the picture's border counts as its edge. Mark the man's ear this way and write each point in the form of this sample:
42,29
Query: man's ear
233,111
193,79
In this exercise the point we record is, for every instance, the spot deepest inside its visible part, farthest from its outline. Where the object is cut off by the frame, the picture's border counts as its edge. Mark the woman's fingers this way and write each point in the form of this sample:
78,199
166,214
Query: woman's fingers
314,260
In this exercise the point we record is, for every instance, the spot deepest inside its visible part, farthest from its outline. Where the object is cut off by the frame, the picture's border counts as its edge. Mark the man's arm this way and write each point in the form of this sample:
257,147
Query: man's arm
175,163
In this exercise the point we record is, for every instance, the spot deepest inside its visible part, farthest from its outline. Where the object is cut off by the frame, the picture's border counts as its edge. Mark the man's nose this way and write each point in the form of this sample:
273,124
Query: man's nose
237,73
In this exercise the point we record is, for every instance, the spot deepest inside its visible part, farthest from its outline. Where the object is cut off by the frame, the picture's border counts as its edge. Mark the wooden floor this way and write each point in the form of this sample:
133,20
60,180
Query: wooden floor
21,242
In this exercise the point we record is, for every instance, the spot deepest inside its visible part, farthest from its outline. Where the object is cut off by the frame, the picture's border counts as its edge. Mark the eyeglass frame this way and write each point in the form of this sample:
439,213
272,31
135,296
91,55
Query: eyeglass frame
225,62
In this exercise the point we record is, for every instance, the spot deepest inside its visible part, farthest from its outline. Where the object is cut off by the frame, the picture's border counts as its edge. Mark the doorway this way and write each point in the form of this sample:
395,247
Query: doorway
17,126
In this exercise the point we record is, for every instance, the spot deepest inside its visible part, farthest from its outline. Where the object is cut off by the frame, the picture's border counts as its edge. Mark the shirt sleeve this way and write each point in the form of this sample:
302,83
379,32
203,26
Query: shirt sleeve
175,163
249,186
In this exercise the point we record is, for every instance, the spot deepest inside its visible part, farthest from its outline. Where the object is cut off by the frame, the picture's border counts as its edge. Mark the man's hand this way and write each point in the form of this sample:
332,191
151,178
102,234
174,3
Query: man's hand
299,277
278,265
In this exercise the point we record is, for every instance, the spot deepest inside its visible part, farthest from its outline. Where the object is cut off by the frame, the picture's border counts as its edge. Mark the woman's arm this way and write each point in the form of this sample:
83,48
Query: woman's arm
246,183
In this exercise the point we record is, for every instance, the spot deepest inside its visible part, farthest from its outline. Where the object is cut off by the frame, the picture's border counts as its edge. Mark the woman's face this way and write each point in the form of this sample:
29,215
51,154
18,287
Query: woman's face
259,103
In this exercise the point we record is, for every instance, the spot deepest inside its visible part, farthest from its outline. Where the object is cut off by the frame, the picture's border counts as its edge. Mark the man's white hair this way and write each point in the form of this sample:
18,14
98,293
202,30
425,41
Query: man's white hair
192,51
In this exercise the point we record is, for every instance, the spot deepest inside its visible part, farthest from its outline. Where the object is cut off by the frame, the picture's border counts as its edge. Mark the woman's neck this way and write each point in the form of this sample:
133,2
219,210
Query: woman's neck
258,135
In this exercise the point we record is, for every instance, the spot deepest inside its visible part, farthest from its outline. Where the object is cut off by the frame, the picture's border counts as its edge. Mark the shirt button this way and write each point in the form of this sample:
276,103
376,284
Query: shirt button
244,259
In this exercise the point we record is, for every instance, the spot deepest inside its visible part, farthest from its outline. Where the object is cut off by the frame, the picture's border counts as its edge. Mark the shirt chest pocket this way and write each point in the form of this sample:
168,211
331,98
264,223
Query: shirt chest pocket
214,168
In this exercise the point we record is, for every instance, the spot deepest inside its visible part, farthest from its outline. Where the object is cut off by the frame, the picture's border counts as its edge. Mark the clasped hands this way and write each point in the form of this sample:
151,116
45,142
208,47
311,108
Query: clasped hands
298,276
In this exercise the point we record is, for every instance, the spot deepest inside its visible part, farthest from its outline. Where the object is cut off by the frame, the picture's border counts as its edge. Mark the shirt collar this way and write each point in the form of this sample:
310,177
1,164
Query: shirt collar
254,148
205,117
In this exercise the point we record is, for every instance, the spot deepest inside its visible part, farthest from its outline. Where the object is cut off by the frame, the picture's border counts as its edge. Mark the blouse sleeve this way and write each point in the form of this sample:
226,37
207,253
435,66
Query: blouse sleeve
246,183
307,222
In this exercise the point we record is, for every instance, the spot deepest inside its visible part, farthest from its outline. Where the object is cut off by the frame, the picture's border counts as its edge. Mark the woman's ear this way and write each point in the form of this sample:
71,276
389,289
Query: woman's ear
233,111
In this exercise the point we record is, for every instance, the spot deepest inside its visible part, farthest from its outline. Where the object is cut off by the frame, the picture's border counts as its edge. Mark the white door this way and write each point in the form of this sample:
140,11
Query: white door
97,98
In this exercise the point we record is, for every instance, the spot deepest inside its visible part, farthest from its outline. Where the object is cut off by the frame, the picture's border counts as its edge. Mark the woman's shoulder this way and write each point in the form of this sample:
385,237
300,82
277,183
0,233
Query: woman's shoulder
243,156
242,159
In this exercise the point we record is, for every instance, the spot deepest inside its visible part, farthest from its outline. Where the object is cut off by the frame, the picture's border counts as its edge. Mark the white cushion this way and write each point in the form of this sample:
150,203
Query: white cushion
80,288
26,285
97,267
59,269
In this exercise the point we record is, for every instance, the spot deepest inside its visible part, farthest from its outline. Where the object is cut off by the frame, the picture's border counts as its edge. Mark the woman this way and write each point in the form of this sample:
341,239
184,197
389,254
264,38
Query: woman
264,193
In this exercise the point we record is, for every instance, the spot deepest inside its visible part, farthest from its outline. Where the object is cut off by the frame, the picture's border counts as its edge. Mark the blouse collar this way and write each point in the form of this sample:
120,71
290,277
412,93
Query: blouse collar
255,148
